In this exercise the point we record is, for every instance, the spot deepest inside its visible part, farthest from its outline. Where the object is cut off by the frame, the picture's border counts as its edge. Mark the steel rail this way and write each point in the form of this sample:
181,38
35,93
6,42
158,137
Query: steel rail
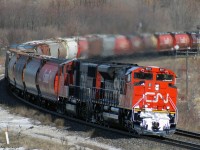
187,133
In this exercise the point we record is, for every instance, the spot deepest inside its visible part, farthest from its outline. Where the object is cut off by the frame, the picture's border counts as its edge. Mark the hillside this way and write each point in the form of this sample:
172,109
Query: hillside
24,20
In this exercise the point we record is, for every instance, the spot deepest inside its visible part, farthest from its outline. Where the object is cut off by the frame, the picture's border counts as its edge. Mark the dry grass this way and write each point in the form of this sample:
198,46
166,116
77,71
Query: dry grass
18,139
2,61
93,147
45,119
59,122
28,142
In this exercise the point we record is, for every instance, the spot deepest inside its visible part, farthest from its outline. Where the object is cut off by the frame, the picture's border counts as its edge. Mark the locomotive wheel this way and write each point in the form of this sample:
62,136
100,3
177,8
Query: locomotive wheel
85,112
60,107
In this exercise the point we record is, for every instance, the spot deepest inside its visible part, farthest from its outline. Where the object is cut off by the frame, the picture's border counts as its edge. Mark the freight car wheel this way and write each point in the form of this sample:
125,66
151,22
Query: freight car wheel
60,106
85,112
129,126
27,96
81,110
89,111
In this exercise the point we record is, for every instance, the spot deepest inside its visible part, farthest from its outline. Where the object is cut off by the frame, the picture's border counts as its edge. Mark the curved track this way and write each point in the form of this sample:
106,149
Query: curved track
187,133
164,140
179,143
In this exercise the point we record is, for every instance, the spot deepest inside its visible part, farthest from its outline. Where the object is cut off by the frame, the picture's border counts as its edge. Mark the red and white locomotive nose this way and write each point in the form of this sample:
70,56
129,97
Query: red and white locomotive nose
156,107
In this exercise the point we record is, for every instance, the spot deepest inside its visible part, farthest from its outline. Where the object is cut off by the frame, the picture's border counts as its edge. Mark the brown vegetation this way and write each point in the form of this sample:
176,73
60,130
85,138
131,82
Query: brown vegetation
45,119
24,20
20,140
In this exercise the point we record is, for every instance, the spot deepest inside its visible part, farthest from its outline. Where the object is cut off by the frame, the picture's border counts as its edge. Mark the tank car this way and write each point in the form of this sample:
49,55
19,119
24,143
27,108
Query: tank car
165,42
82,47
181,41
94,45
137,98
194,40
149,41
108,45
57,47
136,42
122,45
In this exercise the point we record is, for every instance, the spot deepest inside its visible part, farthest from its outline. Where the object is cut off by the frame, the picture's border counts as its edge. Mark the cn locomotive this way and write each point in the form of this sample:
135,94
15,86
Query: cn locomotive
138,98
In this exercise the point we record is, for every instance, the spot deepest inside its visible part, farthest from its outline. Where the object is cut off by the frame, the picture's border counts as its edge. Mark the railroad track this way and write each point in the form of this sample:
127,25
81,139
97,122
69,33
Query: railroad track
178,143
164,140
187,133
148,55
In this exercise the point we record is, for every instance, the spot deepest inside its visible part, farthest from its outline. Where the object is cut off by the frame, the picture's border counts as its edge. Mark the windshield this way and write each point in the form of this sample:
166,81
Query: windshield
164,77
141,75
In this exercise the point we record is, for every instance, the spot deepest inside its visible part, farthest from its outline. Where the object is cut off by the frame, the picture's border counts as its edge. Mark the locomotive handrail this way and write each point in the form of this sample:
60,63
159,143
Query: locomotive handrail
93,88
142,98
90,92
175,108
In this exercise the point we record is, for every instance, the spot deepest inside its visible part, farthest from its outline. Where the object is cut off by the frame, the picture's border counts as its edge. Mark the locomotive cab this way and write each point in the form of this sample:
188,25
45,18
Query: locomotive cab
154,100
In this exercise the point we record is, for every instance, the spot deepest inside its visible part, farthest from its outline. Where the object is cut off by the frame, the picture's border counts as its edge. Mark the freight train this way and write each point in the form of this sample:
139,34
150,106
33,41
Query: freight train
97,45
137,98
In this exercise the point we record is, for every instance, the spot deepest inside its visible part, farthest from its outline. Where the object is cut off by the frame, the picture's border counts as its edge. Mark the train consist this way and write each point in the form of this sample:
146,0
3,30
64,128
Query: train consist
110,45
138,98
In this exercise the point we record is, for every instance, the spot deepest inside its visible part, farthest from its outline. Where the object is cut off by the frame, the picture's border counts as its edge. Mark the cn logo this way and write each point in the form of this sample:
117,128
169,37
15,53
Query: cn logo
156,97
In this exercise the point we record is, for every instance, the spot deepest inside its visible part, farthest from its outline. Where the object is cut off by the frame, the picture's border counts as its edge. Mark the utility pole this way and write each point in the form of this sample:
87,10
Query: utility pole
198,39
187,79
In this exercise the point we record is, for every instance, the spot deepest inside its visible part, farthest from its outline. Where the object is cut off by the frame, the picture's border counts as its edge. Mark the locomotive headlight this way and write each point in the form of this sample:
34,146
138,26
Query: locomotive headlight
162,69
157,87
148,68
168,107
